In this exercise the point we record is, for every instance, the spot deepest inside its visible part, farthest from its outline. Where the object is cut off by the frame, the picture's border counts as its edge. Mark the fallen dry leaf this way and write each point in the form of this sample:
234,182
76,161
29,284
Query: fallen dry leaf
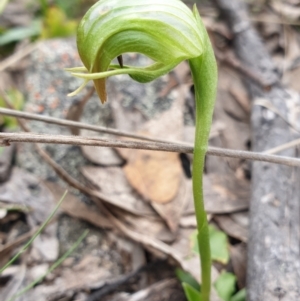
158,176
163,290
241,218
172,211
232,228
222,194
148,226
14,285
155,175
113,184
85,275
291,46
291,79
76,208
104,156
289,12
46,246
26,190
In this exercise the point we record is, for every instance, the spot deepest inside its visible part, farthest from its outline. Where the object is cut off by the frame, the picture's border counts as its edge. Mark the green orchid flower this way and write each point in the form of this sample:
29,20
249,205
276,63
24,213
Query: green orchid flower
168,32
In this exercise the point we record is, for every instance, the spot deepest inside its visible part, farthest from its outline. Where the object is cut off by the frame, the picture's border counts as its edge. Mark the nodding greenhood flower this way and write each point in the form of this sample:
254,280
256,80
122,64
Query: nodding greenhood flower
168,32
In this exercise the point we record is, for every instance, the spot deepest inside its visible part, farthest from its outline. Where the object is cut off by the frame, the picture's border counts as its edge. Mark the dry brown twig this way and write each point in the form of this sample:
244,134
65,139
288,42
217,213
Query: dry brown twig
157,144
7,138
74,124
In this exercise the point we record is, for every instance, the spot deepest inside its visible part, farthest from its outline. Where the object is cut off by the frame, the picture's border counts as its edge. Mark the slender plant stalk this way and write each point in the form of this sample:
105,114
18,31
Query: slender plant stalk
169,33
204,72
203,122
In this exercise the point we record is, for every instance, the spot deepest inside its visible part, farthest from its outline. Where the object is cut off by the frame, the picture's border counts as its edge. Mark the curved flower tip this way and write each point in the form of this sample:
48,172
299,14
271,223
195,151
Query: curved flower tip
100,86
164,30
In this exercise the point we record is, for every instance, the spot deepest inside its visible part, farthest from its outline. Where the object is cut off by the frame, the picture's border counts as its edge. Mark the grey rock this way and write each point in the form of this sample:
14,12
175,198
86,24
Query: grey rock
47,85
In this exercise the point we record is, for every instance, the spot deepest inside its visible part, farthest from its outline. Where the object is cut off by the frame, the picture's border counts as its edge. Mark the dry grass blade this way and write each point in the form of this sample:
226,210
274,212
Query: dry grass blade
35,235
53,267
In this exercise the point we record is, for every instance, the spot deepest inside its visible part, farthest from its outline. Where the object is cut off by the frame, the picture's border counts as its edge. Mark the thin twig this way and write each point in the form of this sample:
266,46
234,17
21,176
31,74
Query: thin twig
7,138
159,144
76,124
181,147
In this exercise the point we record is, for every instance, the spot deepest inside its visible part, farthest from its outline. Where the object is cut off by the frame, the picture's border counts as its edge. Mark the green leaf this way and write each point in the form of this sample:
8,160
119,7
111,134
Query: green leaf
218,244
186,277
190,293
194,241
225,285
16,34
239,296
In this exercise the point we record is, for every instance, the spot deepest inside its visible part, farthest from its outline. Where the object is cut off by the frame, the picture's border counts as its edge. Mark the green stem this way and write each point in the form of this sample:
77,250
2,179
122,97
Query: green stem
204,73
